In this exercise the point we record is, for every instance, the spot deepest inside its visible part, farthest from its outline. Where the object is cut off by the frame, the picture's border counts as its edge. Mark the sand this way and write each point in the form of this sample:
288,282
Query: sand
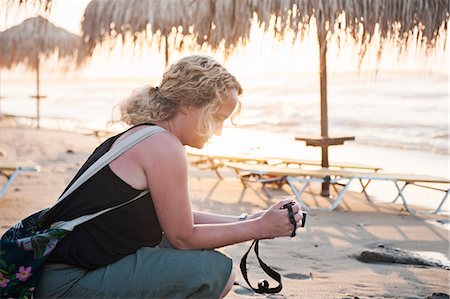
318,263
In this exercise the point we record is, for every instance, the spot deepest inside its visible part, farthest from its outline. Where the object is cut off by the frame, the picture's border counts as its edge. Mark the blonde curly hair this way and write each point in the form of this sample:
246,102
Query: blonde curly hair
194,80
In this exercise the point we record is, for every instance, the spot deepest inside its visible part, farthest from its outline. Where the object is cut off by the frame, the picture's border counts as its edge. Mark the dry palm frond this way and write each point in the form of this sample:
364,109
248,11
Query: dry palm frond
33,39
212,22
104,21
232,21
228,22
13,9
44,5
394,18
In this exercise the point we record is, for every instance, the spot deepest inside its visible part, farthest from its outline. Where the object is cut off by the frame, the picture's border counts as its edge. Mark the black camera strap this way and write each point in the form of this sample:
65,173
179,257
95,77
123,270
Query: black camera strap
292,220
263,285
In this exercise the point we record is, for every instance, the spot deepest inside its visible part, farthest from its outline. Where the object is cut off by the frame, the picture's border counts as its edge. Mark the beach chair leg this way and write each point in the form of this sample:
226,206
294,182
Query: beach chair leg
215,167
341,195
443,200
265,181
266,191
401,192
216,171
9,181
298,193
364,186
244,179
442,203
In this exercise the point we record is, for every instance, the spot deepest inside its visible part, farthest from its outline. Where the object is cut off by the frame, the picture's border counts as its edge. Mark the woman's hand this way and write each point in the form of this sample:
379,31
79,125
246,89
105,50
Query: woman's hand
274,222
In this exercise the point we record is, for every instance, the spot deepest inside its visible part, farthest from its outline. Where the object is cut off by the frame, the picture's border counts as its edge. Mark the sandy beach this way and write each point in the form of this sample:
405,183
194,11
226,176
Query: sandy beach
318,263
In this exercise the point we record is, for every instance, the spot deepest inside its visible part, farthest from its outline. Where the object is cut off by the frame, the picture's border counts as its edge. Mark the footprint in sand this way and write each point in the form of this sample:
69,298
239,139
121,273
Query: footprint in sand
298,276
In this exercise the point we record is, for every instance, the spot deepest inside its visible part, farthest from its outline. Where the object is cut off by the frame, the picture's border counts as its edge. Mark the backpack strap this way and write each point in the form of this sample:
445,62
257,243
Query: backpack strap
112,154
109,156
70,225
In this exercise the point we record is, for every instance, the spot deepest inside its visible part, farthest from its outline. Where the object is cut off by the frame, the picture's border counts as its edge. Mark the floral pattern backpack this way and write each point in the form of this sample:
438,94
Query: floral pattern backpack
25,247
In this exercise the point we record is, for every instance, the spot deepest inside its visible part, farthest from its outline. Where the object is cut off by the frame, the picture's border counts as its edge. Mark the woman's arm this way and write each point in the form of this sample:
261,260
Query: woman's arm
210,218
205,218
164,163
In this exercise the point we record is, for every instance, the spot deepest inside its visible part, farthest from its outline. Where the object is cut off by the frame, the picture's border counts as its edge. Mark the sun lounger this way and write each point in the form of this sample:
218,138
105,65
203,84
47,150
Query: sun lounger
280,161
11,170
267,173
215,162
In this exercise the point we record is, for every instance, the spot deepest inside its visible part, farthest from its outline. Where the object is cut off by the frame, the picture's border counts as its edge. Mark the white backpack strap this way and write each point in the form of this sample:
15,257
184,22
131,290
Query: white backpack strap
70,225
112,154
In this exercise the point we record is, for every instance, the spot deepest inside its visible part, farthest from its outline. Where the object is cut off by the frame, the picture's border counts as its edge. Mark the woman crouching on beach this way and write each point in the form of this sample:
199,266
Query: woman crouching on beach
120,254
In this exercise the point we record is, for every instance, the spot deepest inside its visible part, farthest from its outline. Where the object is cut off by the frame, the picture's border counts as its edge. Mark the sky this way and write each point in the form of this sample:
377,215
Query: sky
261,56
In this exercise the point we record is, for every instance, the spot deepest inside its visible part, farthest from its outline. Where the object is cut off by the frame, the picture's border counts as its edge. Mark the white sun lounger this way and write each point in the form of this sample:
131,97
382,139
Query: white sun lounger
11,170
216,161
267,173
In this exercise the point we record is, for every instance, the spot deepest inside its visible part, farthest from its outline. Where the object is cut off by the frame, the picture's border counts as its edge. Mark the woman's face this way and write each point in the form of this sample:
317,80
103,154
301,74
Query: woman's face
225,110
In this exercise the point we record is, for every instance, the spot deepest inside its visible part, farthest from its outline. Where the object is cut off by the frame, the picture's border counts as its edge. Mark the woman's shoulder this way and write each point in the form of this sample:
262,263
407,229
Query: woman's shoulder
163,145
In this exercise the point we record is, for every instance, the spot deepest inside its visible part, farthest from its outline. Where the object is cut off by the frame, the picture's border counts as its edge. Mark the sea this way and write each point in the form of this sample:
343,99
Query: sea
397,110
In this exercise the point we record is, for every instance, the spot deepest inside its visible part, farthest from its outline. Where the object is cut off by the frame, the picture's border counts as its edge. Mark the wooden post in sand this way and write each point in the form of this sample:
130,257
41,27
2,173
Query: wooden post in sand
0,94
38,112
38,95
324,141
321,33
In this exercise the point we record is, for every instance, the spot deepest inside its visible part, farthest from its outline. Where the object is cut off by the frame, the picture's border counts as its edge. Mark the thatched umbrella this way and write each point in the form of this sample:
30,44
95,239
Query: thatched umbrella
205,21
395,20
228,22
30,42
104,21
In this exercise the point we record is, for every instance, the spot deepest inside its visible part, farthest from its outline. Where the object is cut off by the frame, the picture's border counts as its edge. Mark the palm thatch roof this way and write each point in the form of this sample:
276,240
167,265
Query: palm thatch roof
33,39
396,20
207,21
387,13
44,5
227,22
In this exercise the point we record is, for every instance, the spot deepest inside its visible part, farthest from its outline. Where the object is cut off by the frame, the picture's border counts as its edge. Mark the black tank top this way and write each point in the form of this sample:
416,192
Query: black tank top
113,235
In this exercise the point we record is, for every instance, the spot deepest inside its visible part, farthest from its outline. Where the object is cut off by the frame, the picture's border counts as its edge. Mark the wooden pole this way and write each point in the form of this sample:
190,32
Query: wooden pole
0,93
321,34
166,50
38,96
